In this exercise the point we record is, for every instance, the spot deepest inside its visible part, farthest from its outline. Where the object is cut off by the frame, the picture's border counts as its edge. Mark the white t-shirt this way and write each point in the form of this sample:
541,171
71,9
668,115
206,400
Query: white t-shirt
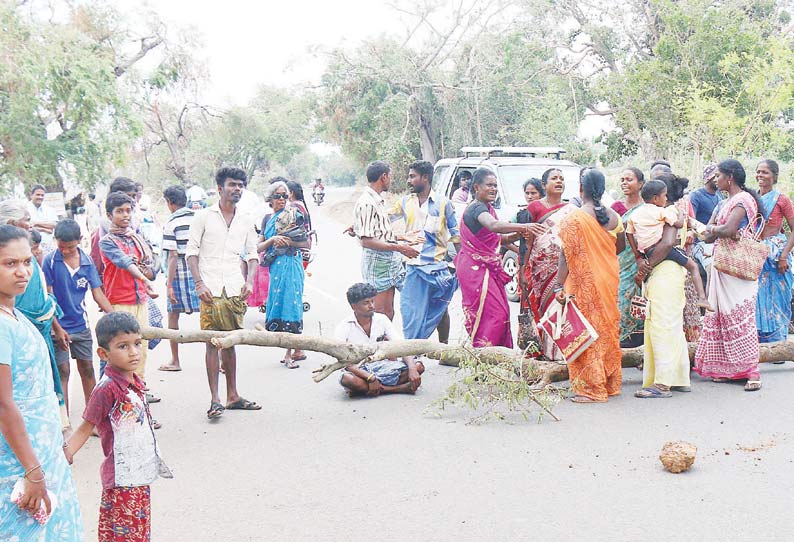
44,213
382,329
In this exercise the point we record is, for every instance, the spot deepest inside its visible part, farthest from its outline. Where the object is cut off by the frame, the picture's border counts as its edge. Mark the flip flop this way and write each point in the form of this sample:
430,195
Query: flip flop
215,411
752,385
299,358
291,364
169,368
652,392
243,404
584,399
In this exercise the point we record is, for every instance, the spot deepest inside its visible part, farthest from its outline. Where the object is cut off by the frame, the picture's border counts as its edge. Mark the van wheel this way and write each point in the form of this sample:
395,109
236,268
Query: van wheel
510,265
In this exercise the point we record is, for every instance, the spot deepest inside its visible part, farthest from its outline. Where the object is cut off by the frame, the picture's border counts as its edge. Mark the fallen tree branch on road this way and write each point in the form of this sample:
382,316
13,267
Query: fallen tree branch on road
345,353
542,372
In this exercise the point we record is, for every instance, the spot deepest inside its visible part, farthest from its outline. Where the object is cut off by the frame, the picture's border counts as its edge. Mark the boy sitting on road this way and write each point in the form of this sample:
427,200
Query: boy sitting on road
119,411
70,273
365,326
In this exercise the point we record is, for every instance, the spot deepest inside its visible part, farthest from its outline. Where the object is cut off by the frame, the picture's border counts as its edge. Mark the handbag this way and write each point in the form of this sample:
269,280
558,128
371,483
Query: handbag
568,328
640,306
743,258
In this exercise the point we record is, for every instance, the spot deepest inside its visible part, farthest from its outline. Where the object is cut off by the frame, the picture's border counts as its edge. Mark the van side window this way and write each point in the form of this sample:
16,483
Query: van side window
438,176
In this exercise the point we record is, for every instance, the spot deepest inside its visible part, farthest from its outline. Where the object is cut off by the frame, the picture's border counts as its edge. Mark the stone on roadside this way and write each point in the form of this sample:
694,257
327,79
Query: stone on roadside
678,456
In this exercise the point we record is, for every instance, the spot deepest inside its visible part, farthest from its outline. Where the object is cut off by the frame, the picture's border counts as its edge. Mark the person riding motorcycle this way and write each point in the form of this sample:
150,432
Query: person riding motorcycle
318,191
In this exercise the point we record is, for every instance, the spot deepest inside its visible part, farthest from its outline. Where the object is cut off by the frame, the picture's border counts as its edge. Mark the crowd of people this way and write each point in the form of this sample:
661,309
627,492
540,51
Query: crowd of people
651,244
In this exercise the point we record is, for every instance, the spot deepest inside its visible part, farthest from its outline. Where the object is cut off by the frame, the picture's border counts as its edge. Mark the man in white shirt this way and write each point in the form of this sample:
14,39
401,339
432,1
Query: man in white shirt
42,217
365,326
218,236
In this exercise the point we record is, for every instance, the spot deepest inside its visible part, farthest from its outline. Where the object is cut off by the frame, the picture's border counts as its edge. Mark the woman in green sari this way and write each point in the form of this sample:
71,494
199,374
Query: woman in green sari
631,329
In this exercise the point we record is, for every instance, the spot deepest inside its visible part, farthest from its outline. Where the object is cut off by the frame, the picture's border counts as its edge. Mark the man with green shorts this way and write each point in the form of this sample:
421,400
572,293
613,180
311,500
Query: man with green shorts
219,236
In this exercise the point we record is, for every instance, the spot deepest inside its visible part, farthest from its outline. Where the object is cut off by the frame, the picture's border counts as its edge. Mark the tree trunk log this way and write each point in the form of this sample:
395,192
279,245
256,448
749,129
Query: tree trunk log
346,354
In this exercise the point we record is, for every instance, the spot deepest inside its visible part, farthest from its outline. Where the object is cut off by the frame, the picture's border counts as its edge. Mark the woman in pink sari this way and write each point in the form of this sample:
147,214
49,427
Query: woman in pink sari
479,264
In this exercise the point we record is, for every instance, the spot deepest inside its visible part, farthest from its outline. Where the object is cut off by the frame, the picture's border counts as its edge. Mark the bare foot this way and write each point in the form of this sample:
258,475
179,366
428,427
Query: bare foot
703,303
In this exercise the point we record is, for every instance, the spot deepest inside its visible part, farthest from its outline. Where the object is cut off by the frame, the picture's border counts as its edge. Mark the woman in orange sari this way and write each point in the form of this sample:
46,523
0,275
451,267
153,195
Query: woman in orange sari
589,271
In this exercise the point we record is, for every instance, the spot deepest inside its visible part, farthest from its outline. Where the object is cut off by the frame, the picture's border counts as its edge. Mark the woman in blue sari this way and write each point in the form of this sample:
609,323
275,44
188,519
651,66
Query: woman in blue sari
36,303
284,235
34,473
773,309
631,329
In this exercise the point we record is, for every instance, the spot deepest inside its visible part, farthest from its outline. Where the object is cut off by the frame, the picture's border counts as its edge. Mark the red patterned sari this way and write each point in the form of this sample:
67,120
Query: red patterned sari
728,345
542,262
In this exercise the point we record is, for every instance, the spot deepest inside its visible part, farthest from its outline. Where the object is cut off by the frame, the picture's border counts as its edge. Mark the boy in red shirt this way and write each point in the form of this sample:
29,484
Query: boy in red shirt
128,263
119,411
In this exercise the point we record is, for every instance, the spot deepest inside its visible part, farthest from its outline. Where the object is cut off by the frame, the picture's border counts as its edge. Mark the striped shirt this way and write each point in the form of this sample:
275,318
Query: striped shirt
370,218
435,218
175,231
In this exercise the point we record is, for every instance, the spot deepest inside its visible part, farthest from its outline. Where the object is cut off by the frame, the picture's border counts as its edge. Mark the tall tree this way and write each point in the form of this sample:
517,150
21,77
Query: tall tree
64,111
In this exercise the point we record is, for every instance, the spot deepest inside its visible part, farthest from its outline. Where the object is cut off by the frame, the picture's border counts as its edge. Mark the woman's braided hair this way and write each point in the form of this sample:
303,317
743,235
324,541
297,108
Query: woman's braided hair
593,186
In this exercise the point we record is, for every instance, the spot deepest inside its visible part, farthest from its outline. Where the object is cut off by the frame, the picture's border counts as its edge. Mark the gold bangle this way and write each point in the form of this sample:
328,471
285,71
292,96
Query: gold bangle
32,481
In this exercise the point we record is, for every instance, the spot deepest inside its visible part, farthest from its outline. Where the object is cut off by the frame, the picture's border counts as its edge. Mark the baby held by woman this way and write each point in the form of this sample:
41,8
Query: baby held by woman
645,227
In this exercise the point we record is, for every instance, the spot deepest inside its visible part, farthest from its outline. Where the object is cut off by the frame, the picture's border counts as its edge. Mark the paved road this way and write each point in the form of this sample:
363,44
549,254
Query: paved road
315,465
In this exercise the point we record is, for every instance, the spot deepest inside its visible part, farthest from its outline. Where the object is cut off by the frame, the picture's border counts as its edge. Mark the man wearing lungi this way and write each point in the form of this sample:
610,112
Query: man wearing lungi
428,286
381,260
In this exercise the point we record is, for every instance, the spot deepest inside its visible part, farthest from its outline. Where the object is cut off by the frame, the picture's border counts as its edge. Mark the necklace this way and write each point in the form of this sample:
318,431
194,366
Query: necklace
8,311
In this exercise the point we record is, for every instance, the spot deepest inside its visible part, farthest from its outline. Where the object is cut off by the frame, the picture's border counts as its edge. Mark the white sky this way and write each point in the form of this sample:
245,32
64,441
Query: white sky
248,43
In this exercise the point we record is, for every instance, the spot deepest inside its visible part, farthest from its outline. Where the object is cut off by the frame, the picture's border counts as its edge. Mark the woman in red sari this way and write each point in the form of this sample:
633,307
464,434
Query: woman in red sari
540,270
479,264
589,271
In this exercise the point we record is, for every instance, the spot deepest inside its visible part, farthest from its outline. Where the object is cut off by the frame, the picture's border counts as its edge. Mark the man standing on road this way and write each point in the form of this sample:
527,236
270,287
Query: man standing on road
428,286
42,218
381,263
218,236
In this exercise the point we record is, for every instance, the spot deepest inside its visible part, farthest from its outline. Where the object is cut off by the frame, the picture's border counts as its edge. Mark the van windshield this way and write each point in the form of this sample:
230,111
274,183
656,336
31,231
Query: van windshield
514,176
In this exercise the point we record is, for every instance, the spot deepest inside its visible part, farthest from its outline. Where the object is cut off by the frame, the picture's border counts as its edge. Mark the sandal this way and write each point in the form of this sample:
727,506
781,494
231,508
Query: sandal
299,358
752,385
652,392
584,399
291,364
243,404
215,411
681,389
720,380
169,367
156,424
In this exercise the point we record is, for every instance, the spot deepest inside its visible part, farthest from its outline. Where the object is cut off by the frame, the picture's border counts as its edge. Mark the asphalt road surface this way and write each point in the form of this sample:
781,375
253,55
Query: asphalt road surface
316,465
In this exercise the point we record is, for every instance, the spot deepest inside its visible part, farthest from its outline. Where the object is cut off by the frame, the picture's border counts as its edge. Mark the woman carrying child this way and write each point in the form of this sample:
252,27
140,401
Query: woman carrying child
284,236
31,455
666,356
